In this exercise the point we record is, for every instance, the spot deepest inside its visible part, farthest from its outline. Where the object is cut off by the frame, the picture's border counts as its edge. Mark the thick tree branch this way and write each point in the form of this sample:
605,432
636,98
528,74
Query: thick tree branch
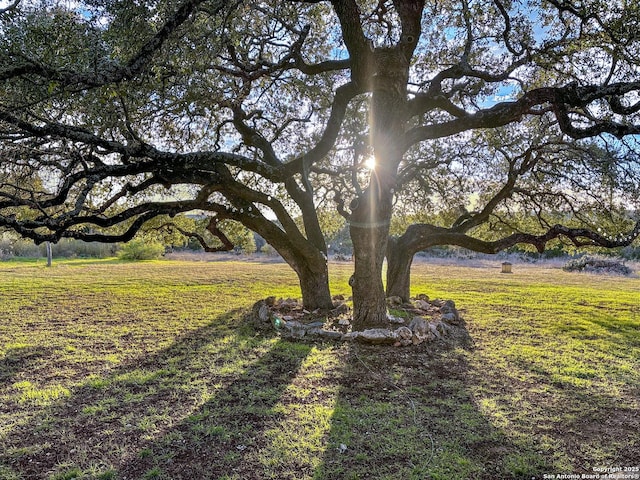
560,99
344,94
194,161
529,160
212,227
410,13
322,67
421,236
358,45
507,29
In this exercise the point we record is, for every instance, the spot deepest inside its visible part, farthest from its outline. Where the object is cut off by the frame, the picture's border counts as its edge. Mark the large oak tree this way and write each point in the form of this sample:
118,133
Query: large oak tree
127,111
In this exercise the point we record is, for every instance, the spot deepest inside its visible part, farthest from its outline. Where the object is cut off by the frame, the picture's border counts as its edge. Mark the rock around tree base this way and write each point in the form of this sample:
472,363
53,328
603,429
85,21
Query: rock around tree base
421,320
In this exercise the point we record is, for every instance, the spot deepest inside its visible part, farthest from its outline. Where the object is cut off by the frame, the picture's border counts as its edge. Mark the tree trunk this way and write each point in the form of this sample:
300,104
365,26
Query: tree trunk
401,251
369,301
399,262
309,261
371,211
311,268
315,288
313,276
369,231
49,253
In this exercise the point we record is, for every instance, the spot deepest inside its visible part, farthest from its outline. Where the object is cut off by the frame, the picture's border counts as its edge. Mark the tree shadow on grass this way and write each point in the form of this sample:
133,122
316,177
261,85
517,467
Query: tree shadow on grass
571,422
408,413
191,410
224,437
207,407
439,413
19,359
625,332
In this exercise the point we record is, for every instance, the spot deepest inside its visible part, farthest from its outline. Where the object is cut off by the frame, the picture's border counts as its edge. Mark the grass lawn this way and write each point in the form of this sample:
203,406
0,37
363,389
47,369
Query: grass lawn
114,370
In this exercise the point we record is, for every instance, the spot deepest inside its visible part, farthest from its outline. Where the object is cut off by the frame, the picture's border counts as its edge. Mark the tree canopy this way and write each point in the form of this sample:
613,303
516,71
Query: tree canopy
516,120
